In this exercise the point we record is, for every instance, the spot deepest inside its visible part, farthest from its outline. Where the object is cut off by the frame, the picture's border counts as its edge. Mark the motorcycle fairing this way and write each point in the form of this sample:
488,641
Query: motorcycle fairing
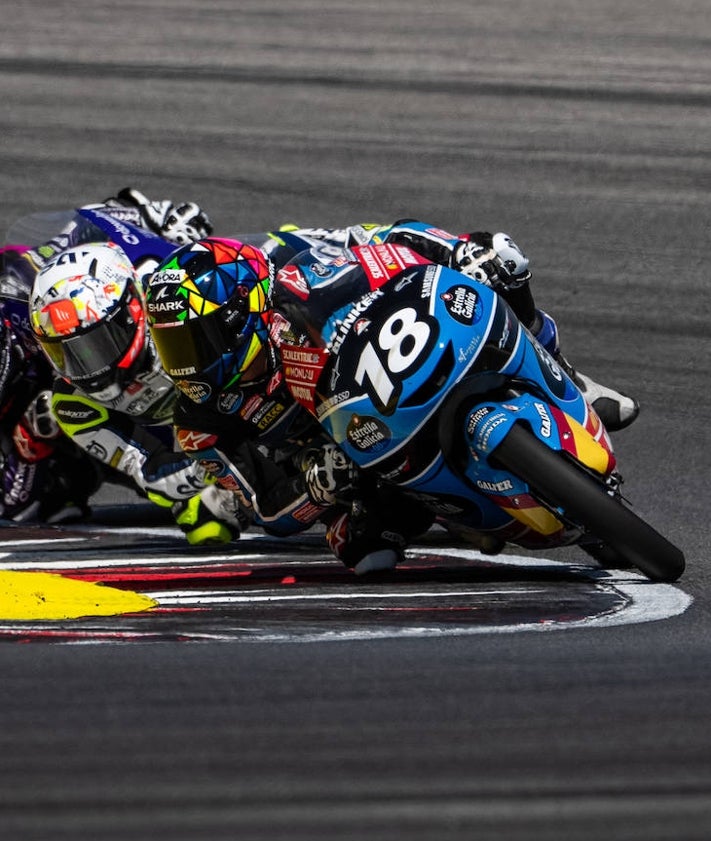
394,359
430,336
486,426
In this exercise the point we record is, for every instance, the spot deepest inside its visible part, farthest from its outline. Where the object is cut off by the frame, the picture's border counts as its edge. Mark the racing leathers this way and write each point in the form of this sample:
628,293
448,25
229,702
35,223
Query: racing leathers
272,454
49,476
44,476
133,436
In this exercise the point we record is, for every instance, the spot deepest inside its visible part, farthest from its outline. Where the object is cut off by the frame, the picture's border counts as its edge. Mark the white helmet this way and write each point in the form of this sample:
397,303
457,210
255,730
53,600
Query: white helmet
86,311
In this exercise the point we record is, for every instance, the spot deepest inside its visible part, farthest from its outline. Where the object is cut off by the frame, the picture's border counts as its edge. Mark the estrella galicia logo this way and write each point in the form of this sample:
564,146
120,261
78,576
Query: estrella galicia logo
367,434
551,371
197,391
229,402
462,303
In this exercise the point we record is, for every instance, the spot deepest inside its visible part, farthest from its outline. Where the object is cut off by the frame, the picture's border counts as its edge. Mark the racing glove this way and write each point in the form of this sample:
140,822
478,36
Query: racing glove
37,431
492,259
178,223
329,474
212,517
39,419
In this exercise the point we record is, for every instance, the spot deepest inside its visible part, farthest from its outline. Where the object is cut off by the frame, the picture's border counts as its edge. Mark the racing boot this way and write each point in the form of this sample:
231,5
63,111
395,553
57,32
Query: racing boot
615,410
496,261
360,546
381,560
372,537
199,524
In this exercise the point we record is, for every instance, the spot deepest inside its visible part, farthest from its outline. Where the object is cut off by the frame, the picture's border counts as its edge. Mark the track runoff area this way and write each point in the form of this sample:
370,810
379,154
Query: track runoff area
107,583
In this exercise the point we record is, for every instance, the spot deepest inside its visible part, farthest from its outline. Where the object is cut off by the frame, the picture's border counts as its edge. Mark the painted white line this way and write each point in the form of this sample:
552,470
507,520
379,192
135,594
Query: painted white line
34,541
639,599
172,597
644,601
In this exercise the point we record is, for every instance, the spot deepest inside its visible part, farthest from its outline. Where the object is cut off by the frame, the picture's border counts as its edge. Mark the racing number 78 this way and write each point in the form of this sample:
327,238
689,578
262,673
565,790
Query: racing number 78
403,338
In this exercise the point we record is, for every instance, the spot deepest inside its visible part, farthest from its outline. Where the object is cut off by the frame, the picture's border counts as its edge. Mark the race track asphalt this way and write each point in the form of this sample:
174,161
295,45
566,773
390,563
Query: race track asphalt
581,129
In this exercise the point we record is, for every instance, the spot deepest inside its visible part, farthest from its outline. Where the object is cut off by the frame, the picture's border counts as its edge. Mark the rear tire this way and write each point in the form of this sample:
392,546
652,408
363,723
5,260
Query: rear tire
585,502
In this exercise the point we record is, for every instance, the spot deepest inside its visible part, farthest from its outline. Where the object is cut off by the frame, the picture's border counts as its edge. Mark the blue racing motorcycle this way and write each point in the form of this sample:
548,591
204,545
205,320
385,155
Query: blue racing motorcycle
429,382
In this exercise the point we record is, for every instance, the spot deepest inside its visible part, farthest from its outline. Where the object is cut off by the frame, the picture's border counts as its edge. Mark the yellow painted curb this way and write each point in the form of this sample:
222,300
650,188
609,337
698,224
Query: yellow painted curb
43,595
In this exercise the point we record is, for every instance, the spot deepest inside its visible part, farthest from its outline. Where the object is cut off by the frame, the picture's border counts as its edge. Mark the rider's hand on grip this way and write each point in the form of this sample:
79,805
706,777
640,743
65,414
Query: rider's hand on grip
178,223
39,419
185,223
329,474
492,259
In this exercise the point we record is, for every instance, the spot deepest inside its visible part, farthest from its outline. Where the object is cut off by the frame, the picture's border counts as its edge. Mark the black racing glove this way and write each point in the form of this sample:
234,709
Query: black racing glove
178,223
329,474
492,259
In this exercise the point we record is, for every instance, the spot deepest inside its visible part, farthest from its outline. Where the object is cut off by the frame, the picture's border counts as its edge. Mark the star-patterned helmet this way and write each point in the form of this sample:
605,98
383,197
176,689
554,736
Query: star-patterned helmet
207,306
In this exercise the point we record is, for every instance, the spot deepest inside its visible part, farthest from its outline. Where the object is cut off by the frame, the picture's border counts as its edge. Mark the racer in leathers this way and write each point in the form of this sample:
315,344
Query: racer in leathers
112,397
45,477
129,441
185,222
218,335
211,318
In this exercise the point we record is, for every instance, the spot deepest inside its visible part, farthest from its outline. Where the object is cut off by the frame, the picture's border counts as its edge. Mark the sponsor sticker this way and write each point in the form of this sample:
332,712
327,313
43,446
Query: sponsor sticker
196,391
302,368
292,278
367,434
461,302
381,262
192,441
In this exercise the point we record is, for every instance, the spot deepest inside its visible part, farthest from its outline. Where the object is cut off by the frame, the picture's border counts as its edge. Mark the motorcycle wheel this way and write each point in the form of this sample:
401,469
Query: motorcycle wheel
559,483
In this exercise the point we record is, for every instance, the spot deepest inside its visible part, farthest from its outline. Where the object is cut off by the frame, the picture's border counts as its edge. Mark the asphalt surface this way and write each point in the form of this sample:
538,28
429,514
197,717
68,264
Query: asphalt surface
581,129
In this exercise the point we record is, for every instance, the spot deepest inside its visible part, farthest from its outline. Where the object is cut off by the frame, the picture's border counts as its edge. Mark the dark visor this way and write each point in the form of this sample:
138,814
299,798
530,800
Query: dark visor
195,345
92,355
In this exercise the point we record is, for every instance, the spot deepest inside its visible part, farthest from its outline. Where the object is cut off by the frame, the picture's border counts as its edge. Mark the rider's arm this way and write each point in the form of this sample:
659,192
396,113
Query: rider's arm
178,222
285,496
492,259
427,240
114,439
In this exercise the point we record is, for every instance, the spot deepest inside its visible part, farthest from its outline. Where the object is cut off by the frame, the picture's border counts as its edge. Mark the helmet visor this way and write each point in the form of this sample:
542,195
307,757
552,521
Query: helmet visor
192,346
94,358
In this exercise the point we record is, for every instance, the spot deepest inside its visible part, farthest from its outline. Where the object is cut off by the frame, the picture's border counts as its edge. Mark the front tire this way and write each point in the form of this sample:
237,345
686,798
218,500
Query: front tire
559,483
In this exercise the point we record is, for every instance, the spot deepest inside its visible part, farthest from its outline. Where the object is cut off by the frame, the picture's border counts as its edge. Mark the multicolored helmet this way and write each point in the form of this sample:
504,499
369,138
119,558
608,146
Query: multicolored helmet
86,312
207,306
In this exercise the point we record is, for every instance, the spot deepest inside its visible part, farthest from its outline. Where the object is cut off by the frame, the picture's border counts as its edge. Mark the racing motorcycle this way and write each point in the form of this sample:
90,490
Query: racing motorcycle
429,382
